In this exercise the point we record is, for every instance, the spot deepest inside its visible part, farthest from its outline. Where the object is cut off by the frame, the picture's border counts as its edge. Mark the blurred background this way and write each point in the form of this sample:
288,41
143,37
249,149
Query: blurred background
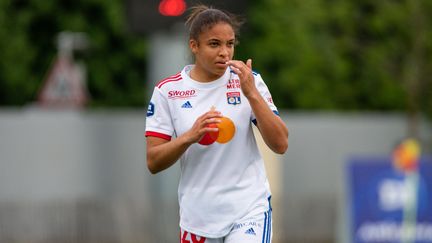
351,79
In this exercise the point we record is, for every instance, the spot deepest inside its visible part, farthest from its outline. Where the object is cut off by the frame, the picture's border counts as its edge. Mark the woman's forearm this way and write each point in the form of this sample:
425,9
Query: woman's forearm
163,154
272,128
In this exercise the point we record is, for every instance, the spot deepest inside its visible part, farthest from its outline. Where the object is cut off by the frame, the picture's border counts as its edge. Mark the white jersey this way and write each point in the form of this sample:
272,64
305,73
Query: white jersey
219,183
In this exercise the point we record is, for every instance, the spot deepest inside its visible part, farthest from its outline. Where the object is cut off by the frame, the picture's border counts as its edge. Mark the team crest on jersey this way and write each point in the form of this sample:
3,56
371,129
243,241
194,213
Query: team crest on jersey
150,109
233,98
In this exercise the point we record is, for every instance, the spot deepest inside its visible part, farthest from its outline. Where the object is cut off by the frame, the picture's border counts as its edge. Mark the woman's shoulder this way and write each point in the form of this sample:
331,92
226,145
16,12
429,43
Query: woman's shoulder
173,78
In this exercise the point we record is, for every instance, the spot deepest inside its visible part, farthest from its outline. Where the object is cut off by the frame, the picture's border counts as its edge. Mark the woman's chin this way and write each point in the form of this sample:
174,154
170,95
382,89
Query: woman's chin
220,69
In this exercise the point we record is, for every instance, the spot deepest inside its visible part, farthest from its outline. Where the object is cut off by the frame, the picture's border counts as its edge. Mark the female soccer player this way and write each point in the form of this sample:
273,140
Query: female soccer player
209,108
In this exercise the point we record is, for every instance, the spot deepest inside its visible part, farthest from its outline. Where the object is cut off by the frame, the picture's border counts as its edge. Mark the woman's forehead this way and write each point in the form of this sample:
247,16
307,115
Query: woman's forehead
219,31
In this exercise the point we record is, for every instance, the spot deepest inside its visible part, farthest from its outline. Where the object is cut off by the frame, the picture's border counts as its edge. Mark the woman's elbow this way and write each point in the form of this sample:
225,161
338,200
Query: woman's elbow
281,148
151,169
151,166
281,145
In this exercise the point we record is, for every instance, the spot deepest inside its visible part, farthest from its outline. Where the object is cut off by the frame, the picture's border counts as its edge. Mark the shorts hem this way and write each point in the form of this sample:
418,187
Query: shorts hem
205,234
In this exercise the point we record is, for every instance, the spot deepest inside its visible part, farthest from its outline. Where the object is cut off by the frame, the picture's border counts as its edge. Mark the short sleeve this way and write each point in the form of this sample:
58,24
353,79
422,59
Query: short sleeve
265,93
158,121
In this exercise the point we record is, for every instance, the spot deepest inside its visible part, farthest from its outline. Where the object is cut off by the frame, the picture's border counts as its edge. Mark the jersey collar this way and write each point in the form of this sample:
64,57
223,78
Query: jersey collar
223,80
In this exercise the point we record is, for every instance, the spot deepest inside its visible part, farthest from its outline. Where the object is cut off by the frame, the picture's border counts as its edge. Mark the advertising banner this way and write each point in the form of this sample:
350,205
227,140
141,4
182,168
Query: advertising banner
388,204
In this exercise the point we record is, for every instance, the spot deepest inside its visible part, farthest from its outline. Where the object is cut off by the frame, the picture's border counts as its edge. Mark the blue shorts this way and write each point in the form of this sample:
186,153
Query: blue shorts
251,229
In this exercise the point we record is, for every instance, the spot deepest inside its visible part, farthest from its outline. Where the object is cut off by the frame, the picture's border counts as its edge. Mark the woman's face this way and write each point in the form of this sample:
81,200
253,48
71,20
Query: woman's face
212,50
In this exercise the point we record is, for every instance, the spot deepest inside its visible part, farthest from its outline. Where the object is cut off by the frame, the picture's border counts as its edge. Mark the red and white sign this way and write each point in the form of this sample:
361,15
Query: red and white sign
64,85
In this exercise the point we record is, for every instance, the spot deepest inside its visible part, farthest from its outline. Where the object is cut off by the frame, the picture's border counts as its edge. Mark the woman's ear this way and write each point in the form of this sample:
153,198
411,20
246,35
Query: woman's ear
193,45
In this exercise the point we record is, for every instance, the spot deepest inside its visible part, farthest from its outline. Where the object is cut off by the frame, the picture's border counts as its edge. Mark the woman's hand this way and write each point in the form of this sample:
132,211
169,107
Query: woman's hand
162,153
200,128
244,72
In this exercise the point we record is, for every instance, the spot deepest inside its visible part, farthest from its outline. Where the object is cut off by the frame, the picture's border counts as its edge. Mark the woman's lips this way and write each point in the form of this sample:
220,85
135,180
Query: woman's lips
221,64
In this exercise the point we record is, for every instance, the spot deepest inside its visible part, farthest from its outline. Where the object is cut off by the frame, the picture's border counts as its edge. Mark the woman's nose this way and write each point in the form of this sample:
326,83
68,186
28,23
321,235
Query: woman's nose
224,51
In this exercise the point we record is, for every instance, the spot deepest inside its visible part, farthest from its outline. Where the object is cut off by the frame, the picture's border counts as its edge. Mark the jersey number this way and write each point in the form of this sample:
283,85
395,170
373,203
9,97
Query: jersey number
192,237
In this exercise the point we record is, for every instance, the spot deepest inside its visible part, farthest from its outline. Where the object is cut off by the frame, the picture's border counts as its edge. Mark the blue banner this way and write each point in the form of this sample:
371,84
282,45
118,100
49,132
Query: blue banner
378,199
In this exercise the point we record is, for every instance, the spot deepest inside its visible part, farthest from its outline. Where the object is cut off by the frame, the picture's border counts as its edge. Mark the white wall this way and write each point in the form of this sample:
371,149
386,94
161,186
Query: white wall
65,163
320,145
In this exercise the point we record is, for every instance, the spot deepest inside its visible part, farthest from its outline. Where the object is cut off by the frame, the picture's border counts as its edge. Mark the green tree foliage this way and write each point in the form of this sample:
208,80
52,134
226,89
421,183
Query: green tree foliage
28,29
313,54
338,54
